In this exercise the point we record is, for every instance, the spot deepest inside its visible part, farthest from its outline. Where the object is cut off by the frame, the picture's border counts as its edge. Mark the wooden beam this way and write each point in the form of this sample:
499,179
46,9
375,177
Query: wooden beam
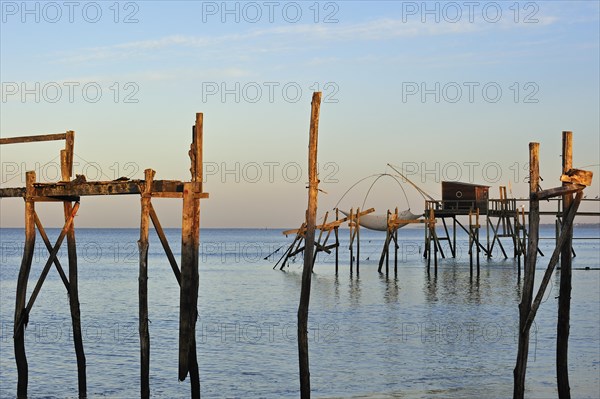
25,315
44,236
562,239
165,243
31,139
56,199
12,192
565,189
95,188
331,225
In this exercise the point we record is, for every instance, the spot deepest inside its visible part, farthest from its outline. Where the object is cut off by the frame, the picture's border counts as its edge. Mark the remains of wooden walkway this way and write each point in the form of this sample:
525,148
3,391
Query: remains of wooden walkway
69,192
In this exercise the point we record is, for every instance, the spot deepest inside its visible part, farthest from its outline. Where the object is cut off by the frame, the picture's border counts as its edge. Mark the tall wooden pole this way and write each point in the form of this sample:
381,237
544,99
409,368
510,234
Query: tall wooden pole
143,285
313,185
19,332
529,273
190,244
66,161
564,296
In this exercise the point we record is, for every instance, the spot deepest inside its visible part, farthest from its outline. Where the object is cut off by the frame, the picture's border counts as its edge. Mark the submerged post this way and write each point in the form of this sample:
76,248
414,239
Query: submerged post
313,186
564,296
19,332
529,273
143,285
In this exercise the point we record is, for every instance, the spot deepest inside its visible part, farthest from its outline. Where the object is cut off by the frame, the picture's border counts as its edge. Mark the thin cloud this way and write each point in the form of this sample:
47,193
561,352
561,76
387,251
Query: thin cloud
381,29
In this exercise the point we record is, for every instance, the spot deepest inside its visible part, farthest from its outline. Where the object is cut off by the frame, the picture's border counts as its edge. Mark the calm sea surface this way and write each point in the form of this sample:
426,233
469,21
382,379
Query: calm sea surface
419,335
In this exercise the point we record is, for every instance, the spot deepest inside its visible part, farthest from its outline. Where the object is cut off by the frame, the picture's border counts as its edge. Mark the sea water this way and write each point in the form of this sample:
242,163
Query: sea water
416,334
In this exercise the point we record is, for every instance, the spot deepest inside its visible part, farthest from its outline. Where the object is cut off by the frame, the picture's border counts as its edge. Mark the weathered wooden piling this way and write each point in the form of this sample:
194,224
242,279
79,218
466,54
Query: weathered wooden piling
529,273
396,246
66,162
574,181
564,296
335,230
190,243
351,227
143,285
313,187
357,235
20,316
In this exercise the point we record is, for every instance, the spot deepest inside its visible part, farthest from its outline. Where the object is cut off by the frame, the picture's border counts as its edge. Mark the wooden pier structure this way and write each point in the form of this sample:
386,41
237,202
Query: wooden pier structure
69,191
504,220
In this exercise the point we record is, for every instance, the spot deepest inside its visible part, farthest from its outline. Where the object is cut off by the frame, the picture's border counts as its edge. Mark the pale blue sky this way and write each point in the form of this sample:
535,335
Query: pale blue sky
371,59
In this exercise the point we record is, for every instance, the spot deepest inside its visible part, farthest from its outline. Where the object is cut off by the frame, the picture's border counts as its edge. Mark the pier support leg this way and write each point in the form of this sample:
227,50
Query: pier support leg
19,332
143,286
66,162
529,274
190,244
564,298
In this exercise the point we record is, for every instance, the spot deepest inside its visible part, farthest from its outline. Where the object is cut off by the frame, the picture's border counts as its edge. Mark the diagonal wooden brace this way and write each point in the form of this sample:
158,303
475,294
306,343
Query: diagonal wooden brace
59,268
25,315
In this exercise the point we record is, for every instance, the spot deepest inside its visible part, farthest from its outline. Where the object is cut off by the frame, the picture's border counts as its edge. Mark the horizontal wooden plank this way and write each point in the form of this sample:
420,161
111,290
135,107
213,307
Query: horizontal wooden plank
72,189
56,199
557,191
166,195
396,222
31,139
331,225
12,192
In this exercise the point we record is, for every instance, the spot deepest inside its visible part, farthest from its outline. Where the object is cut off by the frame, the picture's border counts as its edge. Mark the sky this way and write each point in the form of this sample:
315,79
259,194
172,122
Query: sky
440,90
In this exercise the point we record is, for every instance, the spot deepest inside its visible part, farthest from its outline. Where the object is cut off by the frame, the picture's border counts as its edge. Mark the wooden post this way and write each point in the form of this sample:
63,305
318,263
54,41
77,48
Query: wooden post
357,241
143,285
351,228
387,246
190,243
197,177
66,162
477,238
529,273
313,186
564,296
454,234
337,241
435,248
19,333
396,245
470,242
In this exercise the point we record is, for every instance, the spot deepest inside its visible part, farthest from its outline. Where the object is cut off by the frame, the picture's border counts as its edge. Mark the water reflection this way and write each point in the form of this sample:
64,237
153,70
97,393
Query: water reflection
391,289
453,283
354,290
